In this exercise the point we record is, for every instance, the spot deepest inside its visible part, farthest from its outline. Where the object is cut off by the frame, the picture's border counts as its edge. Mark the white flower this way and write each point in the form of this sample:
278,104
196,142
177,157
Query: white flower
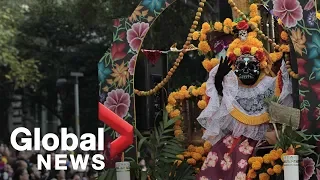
226,163
210,161
240,176
203,178
245,148
242,163
228,141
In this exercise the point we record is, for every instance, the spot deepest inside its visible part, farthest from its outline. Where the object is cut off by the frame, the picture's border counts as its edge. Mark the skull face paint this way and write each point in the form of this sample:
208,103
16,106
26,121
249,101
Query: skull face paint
243,35
247,68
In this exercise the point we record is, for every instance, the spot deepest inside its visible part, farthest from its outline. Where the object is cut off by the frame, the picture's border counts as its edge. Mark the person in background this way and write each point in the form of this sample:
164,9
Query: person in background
21,174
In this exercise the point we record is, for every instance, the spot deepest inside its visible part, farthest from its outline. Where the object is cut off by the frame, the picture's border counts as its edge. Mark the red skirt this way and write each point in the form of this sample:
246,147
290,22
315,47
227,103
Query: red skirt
228,159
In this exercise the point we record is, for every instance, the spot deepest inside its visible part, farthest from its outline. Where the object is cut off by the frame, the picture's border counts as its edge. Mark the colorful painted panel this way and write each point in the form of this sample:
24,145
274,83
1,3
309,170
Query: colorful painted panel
116,68
304,31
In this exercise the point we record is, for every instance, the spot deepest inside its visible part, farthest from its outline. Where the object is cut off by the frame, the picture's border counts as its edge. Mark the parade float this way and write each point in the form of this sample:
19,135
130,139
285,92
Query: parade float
282,35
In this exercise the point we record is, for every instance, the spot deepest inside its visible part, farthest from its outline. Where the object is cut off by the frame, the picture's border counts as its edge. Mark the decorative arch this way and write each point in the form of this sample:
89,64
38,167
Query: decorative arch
116,68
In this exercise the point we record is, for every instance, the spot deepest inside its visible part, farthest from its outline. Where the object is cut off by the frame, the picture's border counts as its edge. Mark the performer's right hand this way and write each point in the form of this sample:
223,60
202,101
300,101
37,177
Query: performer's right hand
223,69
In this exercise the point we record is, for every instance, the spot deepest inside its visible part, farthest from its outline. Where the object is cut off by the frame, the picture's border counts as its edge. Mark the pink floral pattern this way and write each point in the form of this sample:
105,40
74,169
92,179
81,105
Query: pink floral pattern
203,178
245,148
240,176
318,174
309,5
242,164
309,167
289,11
210,161
226,163
132,64
118,101
228,141
136,34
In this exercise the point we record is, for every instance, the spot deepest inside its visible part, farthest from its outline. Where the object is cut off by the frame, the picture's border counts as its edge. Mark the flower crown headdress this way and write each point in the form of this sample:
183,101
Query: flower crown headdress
214,37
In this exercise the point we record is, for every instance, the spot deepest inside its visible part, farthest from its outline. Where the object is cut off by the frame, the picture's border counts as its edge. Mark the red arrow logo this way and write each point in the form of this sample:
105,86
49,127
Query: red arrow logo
119,125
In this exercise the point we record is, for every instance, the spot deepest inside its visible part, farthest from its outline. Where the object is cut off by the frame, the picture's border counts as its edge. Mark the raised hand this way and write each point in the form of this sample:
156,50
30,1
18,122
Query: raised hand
223,69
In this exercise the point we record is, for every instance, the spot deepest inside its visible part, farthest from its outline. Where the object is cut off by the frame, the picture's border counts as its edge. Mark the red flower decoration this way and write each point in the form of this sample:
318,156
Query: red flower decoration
316,89
242,25
301,66
259,55
245,50
305,123
232,57
304,83
117,51
122,35
116,23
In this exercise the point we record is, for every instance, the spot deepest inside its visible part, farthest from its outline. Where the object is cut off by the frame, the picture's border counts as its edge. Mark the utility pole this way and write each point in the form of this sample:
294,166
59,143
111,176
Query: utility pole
76,100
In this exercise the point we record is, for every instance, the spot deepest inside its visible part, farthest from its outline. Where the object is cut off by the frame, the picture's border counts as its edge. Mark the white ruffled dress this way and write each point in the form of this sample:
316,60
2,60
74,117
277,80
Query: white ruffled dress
216,118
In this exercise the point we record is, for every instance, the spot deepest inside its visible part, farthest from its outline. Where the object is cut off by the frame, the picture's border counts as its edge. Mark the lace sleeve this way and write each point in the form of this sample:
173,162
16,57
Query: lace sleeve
285,96
230,87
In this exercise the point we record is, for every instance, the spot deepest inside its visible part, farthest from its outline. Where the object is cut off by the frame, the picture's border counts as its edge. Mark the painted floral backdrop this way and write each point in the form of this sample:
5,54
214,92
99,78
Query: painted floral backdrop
116,68
304,30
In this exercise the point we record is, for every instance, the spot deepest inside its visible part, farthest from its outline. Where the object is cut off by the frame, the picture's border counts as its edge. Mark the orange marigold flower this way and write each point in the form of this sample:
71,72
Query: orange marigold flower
178,132
174,113
256,165
204,47
227,22
266,159
252,174
191,148
169,108
196,156
195,92
200,150
207,65
284,48
202,104
195,35
177,127
171,100
284,36
180,156
277,169
203,36
178,122
187,154
218,26
270,171
191,161
264,176
205,27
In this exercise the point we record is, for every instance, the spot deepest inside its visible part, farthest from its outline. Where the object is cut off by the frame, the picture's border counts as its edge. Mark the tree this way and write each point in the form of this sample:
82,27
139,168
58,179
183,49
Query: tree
14,68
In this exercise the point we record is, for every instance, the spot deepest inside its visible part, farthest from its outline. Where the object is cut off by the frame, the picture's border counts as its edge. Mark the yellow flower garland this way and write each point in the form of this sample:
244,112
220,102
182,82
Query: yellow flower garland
194,154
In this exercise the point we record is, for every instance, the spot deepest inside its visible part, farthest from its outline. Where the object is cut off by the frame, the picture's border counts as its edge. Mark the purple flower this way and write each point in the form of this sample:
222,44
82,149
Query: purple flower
309,167
118,101
132,64
311,18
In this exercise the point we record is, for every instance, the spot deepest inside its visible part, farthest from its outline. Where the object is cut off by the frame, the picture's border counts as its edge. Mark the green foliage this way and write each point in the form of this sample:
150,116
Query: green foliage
297,139
162,147
22,72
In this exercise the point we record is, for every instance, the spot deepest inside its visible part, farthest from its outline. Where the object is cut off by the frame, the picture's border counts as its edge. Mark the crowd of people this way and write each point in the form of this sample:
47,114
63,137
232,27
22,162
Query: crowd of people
22,165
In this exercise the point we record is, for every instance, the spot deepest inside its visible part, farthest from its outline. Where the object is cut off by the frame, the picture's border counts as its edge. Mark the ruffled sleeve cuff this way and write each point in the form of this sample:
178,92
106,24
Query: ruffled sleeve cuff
230,86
